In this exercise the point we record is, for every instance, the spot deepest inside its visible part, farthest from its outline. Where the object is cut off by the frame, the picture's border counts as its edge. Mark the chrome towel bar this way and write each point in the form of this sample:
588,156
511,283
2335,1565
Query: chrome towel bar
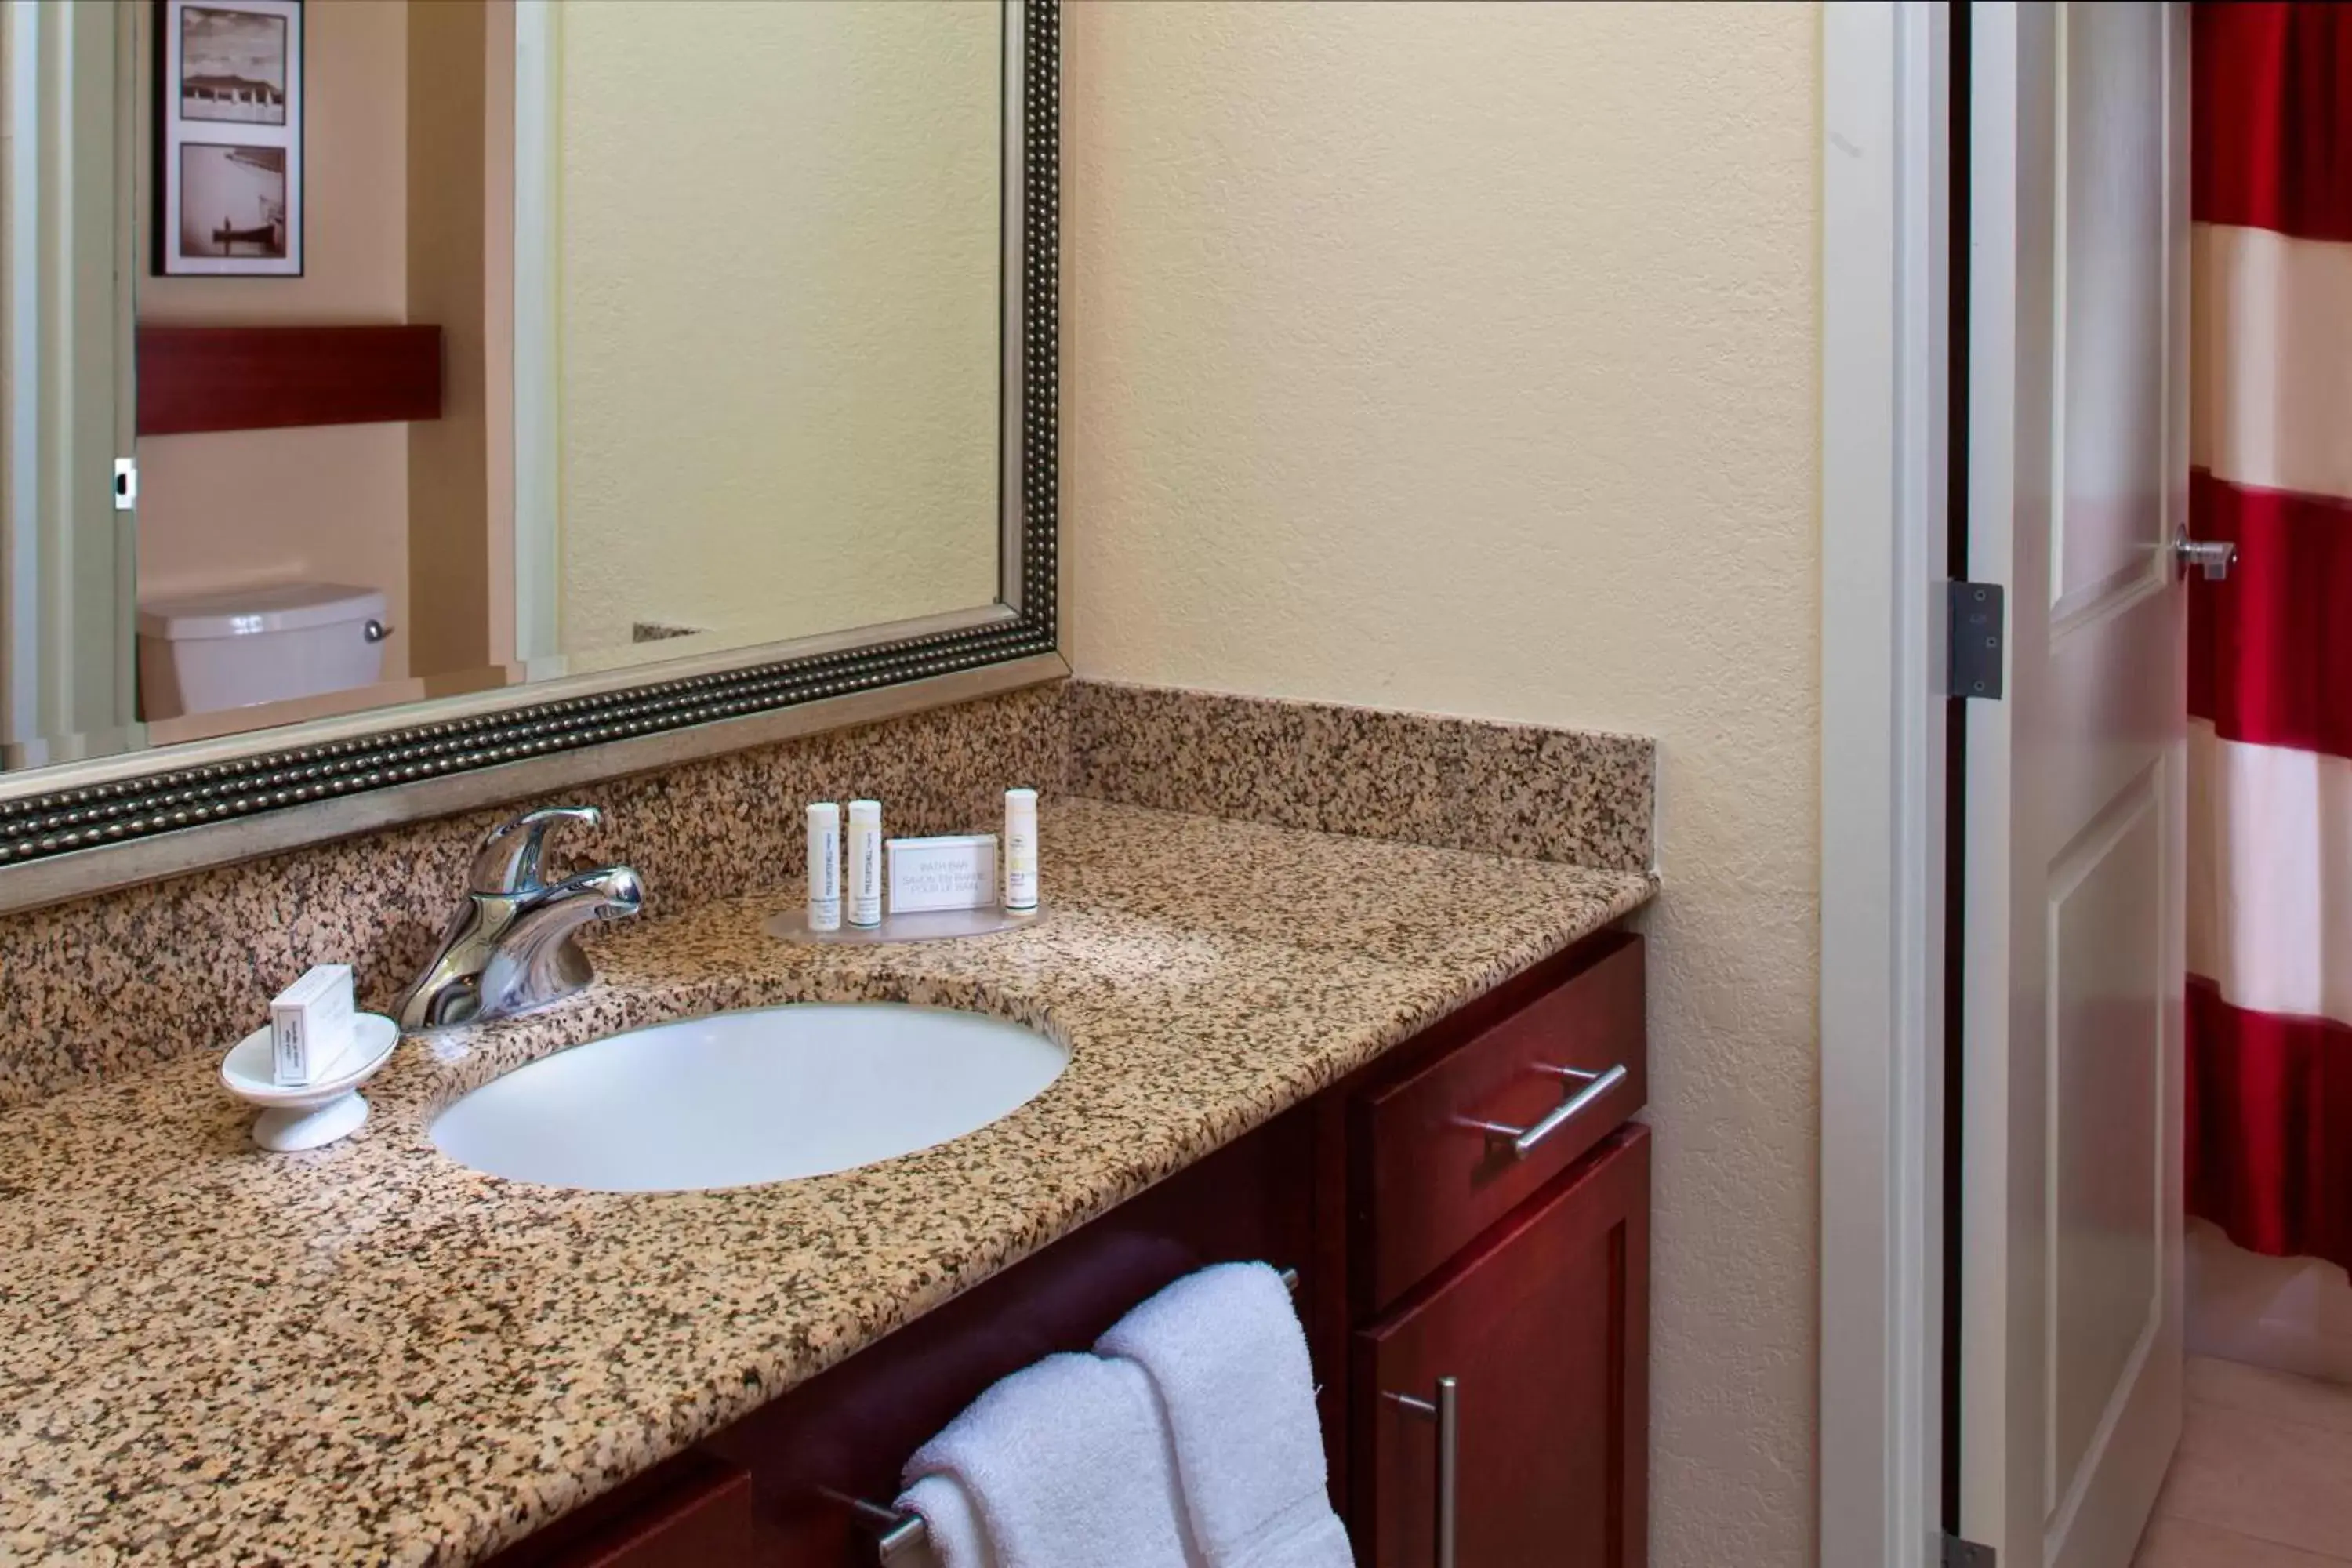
899,1536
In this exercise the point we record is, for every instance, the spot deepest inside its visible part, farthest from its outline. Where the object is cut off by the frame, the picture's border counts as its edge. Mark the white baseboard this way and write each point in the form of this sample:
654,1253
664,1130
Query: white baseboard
2292,1314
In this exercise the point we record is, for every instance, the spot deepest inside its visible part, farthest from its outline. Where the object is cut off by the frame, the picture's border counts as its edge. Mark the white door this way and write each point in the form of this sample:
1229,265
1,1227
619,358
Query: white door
67,553
2071,1287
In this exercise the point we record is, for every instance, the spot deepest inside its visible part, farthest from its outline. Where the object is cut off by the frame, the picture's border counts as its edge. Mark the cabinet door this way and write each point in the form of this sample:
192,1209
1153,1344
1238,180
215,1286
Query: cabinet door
694,1512
1543,1323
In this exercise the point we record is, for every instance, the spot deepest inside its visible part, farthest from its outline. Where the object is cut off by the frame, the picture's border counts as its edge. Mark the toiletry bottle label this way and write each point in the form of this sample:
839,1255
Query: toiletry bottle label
865,863
1021,849
824,866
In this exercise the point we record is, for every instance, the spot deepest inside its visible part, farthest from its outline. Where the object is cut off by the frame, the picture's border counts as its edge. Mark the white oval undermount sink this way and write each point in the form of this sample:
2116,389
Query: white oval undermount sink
740,1098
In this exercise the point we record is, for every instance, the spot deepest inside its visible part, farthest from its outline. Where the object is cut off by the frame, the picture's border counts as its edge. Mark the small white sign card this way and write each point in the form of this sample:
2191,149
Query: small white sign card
228,136
949,873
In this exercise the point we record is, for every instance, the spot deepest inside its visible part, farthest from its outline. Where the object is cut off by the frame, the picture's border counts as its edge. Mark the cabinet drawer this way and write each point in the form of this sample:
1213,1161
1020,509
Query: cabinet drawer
1542,1329
1434,1179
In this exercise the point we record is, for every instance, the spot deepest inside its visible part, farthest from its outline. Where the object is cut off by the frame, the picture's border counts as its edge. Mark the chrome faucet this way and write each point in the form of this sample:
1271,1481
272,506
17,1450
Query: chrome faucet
509,947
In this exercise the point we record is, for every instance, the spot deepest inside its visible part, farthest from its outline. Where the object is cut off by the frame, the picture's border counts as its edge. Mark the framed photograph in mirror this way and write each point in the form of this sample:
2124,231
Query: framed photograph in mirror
228,138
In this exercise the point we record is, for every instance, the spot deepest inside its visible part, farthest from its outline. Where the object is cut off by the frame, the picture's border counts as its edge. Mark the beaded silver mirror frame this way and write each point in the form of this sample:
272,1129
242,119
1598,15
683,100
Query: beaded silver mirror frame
83,827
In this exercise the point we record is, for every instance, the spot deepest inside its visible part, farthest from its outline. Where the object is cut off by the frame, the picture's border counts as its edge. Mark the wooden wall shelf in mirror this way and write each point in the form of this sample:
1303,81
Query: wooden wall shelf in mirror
712,452
198,379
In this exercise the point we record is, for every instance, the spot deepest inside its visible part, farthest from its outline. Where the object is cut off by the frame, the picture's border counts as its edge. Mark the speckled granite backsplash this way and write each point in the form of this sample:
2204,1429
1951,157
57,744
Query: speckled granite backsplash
109,984
125,980
1581,797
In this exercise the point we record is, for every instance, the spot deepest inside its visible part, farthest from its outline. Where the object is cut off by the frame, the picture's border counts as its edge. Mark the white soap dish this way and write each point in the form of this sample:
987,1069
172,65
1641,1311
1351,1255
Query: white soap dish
304,1116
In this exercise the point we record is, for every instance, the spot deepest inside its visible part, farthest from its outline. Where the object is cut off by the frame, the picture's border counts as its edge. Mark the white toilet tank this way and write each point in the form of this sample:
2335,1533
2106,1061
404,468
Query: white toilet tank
237,646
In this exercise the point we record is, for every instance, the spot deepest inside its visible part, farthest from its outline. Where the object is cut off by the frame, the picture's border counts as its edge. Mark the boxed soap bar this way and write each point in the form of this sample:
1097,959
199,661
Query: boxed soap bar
310,1024
951,873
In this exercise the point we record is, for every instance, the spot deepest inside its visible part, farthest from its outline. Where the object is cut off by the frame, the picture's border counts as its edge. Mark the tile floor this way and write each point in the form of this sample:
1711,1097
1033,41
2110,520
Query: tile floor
2263,1478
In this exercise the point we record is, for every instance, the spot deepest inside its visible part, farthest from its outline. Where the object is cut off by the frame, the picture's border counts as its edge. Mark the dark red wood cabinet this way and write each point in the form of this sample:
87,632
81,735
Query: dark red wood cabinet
1543,1326
696,1509
1427,1249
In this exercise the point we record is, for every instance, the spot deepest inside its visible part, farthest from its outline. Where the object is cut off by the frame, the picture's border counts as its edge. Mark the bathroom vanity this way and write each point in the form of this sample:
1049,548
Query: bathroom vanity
1277,1041
1512,1260
1336,989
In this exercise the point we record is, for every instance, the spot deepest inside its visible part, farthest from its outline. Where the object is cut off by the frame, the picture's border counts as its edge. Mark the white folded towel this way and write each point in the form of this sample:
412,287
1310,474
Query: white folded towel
1224,1351
1067,1465
950,1524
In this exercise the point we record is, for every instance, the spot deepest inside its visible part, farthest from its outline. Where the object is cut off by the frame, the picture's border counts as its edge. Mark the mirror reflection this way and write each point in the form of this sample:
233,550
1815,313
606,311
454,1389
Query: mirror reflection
461,344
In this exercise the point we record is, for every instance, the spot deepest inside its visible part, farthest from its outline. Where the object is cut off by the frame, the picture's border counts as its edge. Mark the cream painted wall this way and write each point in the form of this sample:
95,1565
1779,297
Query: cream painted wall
2291,1313
329,503
779,331
1465,358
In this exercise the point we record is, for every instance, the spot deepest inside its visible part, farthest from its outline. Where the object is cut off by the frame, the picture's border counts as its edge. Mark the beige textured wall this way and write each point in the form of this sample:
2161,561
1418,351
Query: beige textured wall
330,503
779,315
1464,358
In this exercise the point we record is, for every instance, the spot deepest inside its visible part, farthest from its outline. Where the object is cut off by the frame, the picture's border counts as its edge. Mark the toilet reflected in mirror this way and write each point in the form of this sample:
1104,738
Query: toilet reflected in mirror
236,649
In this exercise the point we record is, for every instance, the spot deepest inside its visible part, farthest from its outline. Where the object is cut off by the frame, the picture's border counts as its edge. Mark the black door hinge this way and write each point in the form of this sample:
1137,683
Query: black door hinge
1958,1553
1978,626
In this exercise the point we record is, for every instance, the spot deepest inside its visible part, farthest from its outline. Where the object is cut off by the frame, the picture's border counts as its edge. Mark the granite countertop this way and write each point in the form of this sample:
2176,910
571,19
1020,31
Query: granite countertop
368,1353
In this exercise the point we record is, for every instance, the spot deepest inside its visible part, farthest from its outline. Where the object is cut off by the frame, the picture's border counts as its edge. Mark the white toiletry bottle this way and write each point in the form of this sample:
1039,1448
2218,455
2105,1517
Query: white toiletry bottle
866,863
824,866
1020,849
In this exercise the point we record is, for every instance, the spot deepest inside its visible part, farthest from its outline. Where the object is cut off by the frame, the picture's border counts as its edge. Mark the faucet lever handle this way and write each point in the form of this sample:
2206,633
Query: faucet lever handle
511,856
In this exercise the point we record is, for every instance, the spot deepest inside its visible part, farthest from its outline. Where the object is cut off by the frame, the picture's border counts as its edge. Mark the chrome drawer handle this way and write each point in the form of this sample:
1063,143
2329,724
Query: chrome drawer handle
1523,1141
1446,1411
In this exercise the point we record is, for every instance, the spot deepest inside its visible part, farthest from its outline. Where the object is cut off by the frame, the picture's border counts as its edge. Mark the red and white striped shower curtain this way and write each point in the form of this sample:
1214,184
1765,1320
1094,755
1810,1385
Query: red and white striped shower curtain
2269,657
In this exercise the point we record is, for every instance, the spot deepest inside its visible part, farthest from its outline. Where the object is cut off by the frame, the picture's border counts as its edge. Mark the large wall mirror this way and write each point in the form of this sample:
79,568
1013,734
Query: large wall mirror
400,389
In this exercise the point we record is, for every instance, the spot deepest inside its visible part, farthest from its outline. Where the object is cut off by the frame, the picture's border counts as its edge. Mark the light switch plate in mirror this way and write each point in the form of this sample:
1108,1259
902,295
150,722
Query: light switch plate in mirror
81,826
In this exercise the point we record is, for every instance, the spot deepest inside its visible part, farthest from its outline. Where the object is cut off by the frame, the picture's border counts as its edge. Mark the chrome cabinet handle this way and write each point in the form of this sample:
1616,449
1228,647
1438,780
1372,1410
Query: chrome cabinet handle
509,858
2214,557
1446,1411
1523,1141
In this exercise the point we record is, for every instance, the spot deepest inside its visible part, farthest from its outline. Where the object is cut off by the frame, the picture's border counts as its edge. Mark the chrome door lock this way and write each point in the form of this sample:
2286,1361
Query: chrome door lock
2214,557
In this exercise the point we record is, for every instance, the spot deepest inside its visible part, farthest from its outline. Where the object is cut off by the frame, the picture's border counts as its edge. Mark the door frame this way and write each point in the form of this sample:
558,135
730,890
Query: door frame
1885,166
